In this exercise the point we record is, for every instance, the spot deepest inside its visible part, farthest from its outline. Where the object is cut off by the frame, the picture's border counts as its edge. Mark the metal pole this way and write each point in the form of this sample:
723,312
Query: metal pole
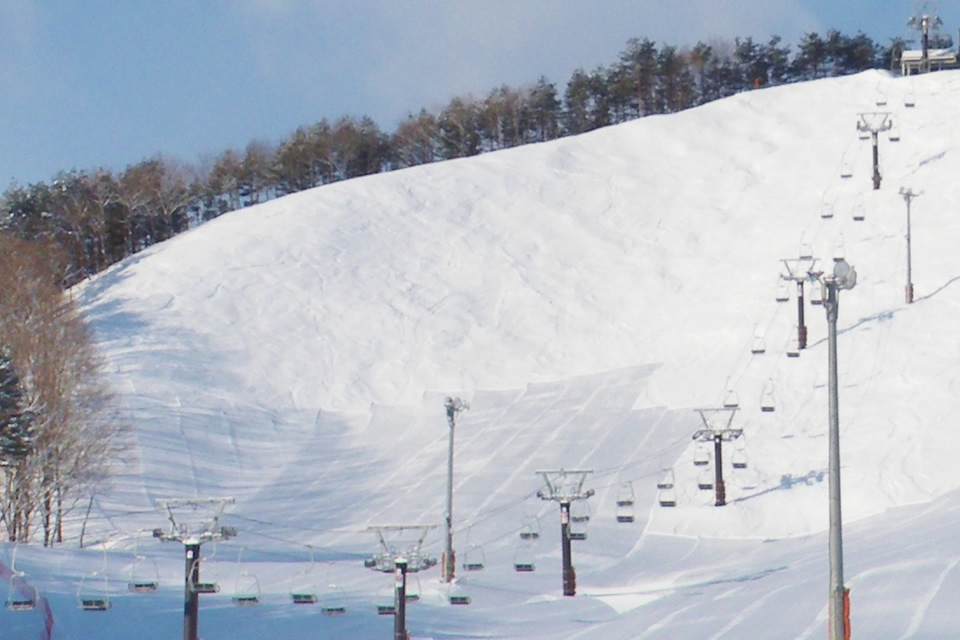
191,608
569,574
909,291
801,326
400,600
449,557
720,489
876,160
837,626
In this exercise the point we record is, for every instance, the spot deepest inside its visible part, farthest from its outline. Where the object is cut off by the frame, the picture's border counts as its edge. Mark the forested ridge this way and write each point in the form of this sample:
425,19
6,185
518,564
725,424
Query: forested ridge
98,217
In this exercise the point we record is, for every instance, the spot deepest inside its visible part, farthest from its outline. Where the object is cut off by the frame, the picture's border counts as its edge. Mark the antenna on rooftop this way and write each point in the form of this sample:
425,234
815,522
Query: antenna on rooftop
875,123
192,523
716,428
565,486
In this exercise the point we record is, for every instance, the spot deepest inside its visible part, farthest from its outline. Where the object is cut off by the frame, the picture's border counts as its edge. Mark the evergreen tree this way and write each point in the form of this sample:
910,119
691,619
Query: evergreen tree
16,438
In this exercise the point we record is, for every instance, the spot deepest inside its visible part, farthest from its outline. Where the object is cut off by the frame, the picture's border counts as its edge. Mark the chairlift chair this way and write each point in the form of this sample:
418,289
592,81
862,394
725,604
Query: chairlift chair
739,459
579,517
667,497
457,597
758,346
767,398
826,209
144,575
530,529
701,455
705,481
666,482
17,599
334,601
793,347
412,591
816,294
625,499
858,212
90,597
731,400
910,99
246,590
806,251
302,585
523,559
846,171
839,249
473,558
208,586
893,134
783,291
881,99
387,601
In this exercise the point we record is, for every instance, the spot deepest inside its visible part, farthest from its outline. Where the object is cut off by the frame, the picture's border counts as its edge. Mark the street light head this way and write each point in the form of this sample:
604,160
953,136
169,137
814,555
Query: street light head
844,275
455,404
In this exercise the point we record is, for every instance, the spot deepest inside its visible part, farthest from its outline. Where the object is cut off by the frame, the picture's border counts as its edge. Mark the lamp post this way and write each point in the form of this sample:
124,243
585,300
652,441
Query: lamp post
844,277
453,407
908,196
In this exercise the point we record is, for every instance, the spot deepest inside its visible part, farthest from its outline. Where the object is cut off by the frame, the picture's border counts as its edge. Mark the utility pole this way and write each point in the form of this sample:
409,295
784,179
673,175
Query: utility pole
908,196
717,431
875,124
192,538
399,555
453,407
844,277
799,270
564,487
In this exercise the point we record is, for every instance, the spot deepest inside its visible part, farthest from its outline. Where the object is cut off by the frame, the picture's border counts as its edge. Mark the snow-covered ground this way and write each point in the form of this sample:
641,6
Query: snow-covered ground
585,296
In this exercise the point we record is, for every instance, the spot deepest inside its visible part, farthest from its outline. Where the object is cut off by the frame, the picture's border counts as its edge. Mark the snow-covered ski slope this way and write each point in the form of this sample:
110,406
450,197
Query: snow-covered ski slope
585,296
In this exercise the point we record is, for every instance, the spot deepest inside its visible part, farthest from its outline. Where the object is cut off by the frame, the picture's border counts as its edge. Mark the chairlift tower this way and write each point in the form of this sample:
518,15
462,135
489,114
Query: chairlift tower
799,270
400,561
565,486
716,428
875,123
844,277
453,407
923,22
908,196
192,537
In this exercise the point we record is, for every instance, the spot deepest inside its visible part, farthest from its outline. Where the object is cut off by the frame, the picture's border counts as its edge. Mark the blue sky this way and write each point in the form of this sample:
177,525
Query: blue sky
100,83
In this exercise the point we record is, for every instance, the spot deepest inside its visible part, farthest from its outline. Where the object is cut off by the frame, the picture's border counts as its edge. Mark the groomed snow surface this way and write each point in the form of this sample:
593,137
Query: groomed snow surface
585,296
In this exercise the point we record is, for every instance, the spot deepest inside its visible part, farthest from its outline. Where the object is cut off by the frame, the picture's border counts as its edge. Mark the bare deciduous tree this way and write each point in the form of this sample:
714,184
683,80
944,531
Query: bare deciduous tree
75,433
